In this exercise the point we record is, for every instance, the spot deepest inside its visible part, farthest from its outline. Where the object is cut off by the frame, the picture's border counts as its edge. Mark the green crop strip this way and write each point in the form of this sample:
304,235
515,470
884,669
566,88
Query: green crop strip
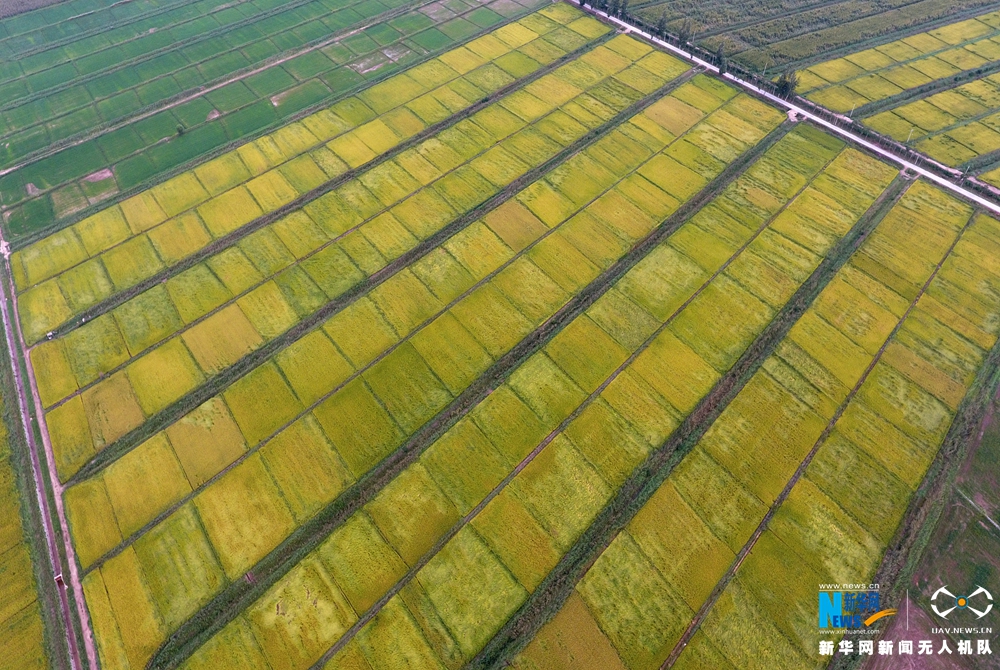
192,36
50,22
113,88
330,144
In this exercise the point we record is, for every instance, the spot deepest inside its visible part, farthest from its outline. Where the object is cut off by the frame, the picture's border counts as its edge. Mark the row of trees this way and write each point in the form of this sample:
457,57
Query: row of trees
617,8
785,84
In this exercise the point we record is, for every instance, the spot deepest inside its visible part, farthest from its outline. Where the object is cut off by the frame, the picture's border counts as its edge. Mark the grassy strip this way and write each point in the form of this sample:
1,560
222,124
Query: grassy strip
557,586
983,163
228,604
928,89
135,60
902,556
262,221
20,240
15,7
190,41
23,6
252,360
741,25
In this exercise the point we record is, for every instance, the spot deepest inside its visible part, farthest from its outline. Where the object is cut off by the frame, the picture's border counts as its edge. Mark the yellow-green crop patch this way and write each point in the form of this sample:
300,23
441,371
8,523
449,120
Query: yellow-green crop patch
875,74
418,444
955,124
355,405
560,490
23,634
217,340
724,486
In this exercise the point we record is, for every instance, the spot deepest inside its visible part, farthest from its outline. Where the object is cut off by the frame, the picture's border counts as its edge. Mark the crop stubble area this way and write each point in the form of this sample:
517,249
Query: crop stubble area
355,393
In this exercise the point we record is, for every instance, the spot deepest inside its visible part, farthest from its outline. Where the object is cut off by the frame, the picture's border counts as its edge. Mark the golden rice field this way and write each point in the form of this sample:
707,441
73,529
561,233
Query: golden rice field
958,125
353,393
890,69
661,359
883,357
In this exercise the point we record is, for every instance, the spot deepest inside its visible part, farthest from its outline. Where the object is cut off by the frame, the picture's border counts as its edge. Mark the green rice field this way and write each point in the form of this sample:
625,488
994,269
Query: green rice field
370,335
797,33
104,115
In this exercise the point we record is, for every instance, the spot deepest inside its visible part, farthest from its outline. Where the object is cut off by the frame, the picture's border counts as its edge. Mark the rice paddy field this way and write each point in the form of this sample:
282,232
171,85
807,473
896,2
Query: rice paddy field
862,389
22,628
501,339
938,91
795,33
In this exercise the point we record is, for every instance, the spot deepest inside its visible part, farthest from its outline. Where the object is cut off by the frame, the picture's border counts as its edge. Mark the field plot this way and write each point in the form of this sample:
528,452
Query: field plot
340,361
126,110
785,33
53,23
956,122
955,127
682,542
589,91
434,330
887,436
581,413
889,69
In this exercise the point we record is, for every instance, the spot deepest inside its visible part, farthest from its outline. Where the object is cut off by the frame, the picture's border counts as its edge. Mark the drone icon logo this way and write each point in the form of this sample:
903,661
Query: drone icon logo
961,602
